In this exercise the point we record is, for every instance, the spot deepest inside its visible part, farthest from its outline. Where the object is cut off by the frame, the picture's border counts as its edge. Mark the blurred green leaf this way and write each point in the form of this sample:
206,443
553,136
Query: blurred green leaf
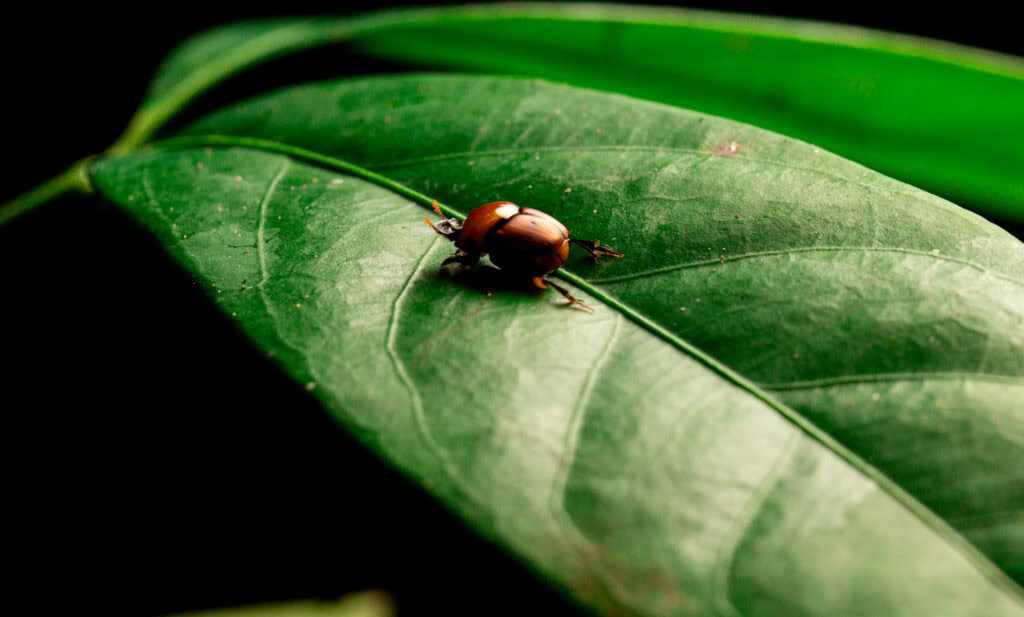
372,603
943,117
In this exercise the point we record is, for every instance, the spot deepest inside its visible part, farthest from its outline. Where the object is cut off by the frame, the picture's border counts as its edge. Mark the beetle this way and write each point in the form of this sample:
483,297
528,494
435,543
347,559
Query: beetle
524,242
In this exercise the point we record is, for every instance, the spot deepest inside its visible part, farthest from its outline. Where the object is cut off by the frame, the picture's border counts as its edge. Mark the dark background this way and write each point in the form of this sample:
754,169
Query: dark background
153,461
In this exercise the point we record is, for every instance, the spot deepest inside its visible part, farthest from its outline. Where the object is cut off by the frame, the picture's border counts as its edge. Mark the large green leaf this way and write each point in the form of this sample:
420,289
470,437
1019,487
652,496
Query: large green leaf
791,345
942,117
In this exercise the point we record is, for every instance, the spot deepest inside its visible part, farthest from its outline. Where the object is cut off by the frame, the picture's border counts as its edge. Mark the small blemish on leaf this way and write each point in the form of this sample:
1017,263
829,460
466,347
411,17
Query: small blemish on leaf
731,148
310,386
199,165
238,178
568,190
337,181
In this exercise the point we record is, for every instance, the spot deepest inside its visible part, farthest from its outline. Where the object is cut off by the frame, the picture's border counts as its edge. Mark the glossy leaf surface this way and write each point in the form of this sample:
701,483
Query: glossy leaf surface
630,455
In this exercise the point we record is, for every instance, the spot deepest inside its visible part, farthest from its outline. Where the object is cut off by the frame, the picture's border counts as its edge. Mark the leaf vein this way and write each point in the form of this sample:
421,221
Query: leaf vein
802,249
419,416
842,380
570,444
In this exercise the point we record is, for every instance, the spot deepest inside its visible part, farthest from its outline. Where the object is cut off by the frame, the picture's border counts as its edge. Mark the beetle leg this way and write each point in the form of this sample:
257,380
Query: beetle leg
594,249
544,283
460,257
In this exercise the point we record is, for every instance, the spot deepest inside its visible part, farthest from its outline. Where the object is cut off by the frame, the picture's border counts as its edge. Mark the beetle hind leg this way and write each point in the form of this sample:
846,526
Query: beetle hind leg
544,283
460,257
594,249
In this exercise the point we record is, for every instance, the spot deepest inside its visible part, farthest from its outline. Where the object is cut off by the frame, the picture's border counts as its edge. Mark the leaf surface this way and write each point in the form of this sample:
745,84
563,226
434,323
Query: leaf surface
718,459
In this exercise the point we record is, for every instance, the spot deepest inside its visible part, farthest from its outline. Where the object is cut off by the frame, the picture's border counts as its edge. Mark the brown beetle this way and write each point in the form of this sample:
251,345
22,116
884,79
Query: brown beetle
522,241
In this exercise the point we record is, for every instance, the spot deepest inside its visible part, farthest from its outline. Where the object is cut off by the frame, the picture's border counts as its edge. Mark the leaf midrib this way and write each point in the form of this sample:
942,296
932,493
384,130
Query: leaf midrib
918,510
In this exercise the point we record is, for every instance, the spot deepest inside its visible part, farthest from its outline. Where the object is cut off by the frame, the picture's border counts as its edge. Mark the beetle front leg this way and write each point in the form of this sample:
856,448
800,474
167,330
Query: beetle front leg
594,249
544,283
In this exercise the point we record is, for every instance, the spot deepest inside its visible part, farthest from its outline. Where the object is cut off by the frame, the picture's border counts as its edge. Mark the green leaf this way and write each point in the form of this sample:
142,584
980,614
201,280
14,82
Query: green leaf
881,99
846,339
363,604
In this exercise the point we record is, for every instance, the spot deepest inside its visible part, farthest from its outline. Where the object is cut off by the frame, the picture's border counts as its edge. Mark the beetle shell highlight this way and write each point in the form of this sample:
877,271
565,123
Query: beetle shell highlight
524,241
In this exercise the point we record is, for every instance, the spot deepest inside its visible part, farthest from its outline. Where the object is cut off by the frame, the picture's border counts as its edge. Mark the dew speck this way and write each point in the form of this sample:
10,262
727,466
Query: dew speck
337,181
310,386
683,309
298,305
875,396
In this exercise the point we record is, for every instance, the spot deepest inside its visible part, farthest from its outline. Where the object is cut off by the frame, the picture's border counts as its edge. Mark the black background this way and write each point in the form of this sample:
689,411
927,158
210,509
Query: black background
153,461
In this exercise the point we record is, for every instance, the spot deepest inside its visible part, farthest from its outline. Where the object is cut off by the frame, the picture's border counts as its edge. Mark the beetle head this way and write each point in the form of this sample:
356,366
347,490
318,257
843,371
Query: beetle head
447,227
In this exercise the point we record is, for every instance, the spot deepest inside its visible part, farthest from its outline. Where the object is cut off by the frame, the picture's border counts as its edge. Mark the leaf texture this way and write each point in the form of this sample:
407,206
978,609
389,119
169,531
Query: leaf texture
629,472
865,325
847,293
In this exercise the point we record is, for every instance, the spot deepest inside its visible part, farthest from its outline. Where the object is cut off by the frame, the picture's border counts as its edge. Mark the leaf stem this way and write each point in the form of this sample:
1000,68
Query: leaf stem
74,178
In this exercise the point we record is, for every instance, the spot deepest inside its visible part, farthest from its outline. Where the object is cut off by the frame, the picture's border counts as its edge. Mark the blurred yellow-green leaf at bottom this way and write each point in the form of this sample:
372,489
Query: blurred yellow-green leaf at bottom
370,603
